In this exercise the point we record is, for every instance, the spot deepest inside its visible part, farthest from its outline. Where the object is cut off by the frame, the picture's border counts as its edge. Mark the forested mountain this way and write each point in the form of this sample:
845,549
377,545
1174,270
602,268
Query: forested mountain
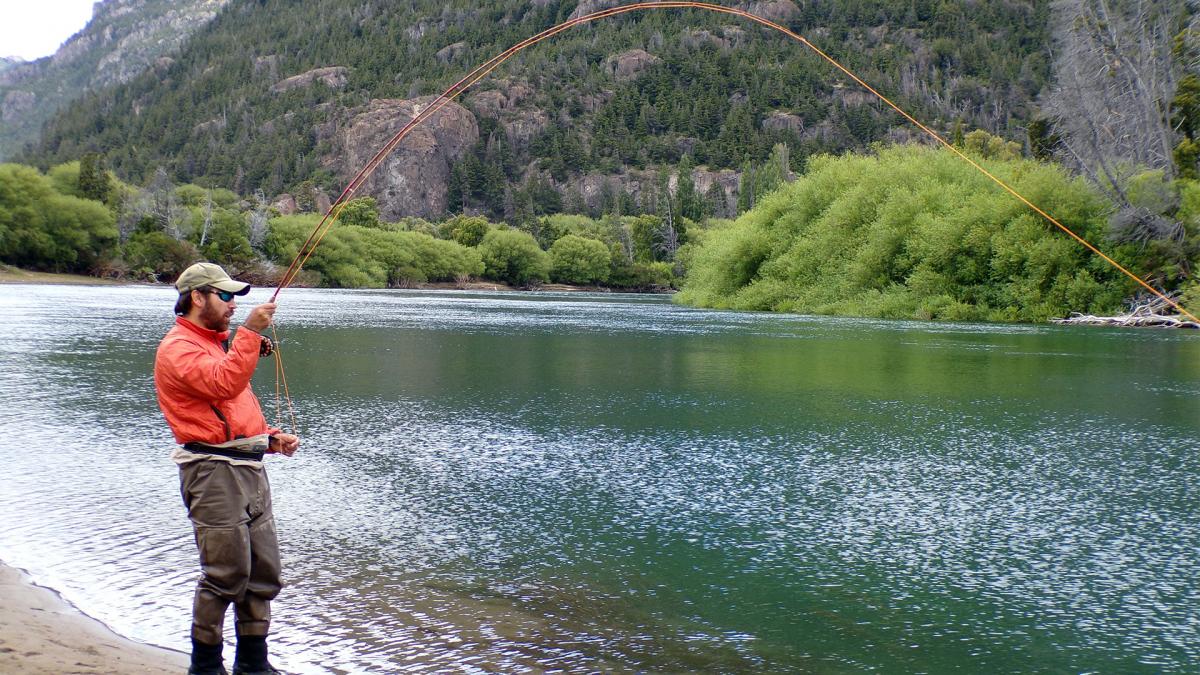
278,96
123,38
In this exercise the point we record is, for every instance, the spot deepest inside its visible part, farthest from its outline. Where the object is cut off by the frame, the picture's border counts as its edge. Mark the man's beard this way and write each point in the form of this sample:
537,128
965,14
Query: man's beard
213,318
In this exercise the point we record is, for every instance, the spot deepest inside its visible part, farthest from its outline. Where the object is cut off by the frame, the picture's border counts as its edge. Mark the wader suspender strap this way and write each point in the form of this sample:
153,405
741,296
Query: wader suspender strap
228,432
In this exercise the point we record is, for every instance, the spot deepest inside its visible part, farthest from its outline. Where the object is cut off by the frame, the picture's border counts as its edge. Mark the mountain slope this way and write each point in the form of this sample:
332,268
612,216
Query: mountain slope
266,95
122,39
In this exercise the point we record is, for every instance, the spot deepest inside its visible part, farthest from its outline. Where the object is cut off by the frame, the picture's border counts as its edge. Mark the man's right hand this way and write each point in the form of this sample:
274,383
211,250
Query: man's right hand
260,317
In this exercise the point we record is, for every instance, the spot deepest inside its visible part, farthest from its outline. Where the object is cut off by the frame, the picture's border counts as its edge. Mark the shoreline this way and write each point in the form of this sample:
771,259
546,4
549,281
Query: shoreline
16,275
41,633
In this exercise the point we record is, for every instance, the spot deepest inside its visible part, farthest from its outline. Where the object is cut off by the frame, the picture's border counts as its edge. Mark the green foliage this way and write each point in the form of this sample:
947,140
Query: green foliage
352,256
548,229
479,179
228,240
65,179
912,233
1185,107
513,257
758,181
466,230
1042,139
1189,298
43,228
642,276
691,204
94,181
982,144
1186,156
360,211
576,260
191,195
154,255
643,231
1158,231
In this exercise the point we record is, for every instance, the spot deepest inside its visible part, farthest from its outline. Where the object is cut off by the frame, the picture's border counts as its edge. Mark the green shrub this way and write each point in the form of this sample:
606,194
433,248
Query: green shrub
912,232
361,212
513,257
642,276
228,242
157,255
576,260
466,230
354,256
42,228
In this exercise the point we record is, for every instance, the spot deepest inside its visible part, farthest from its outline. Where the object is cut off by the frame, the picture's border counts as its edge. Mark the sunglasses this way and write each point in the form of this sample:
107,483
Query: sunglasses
225,296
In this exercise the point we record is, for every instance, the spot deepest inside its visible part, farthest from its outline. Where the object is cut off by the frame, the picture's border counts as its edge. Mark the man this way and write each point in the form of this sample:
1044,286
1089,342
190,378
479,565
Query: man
203,383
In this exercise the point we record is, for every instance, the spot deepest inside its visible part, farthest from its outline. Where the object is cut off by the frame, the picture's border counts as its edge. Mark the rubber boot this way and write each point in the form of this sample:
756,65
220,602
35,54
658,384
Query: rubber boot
206,659
251,658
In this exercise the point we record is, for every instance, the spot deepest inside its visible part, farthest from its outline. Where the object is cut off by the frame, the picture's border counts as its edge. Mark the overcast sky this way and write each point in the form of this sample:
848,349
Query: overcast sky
34,28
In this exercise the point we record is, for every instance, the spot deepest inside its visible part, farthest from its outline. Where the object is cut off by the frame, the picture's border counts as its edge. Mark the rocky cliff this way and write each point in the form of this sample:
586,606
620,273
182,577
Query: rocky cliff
121,40
412,180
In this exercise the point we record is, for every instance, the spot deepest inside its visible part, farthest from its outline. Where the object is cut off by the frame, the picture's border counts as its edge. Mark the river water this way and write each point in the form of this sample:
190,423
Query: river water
544,482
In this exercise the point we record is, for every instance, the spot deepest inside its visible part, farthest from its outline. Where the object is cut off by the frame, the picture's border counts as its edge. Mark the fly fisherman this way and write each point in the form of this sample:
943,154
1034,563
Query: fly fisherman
203,383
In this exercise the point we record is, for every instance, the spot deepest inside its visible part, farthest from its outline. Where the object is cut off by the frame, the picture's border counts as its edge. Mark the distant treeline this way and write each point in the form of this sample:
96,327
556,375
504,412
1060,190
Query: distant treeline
902,232
79,218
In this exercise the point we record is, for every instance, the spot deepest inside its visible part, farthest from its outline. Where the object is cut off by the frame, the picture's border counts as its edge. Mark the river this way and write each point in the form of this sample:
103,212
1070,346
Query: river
577,482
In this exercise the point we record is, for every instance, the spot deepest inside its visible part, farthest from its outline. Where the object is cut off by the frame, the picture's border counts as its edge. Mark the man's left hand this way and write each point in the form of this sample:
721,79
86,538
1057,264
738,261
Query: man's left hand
284,444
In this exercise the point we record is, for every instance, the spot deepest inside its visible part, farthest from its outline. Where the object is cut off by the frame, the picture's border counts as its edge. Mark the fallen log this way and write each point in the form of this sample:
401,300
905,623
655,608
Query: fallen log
1152,320
1147,314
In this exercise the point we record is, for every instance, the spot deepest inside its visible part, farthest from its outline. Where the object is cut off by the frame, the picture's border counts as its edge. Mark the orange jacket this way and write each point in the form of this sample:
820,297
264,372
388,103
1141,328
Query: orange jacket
204,391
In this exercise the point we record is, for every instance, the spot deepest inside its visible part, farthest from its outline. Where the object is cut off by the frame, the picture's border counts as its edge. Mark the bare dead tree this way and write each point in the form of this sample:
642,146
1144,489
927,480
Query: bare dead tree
666,239
164,207
208,216
1114,81
258,219
130,211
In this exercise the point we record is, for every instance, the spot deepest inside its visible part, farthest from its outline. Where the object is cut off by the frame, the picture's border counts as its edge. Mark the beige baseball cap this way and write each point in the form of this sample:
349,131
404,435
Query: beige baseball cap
205,274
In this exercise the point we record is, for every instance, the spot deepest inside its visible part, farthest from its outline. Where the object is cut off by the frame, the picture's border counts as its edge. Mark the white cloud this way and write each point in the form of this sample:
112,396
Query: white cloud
34,28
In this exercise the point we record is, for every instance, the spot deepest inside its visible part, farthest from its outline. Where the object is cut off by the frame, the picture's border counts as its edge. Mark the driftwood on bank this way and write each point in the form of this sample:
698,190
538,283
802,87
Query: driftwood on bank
1145,314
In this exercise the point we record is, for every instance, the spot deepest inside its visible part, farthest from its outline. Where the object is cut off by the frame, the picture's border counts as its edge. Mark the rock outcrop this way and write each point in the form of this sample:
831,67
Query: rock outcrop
782,121
285,204
779,11
451,52
592,188
628,65
521,123
728,37
412,181
15,104
334,77
586,7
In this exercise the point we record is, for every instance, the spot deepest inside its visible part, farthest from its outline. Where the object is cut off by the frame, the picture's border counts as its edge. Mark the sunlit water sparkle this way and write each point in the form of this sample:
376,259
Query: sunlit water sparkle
541,482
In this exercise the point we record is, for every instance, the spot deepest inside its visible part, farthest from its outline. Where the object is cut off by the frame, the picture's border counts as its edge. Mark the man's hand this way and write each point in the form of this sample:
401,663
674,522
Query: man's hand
284,444
260,317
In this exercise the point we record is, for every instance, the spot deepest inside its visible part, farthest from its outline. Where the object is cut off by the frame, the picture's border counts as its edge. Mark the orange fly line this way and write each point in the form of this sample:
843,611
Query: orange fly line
484,69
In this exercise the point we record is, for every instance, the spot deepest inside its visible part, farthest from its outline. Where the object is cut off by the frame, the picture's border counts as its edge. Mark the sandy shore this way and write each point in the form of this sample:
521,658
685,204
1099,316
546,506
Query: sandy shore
42,634
16,275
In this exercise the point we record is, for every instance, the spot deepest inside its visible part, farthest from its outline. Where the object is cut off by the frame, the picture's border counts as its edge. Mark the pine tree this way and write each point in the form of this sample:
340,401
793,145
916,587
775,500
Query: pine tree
745,200
690,204
93,179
